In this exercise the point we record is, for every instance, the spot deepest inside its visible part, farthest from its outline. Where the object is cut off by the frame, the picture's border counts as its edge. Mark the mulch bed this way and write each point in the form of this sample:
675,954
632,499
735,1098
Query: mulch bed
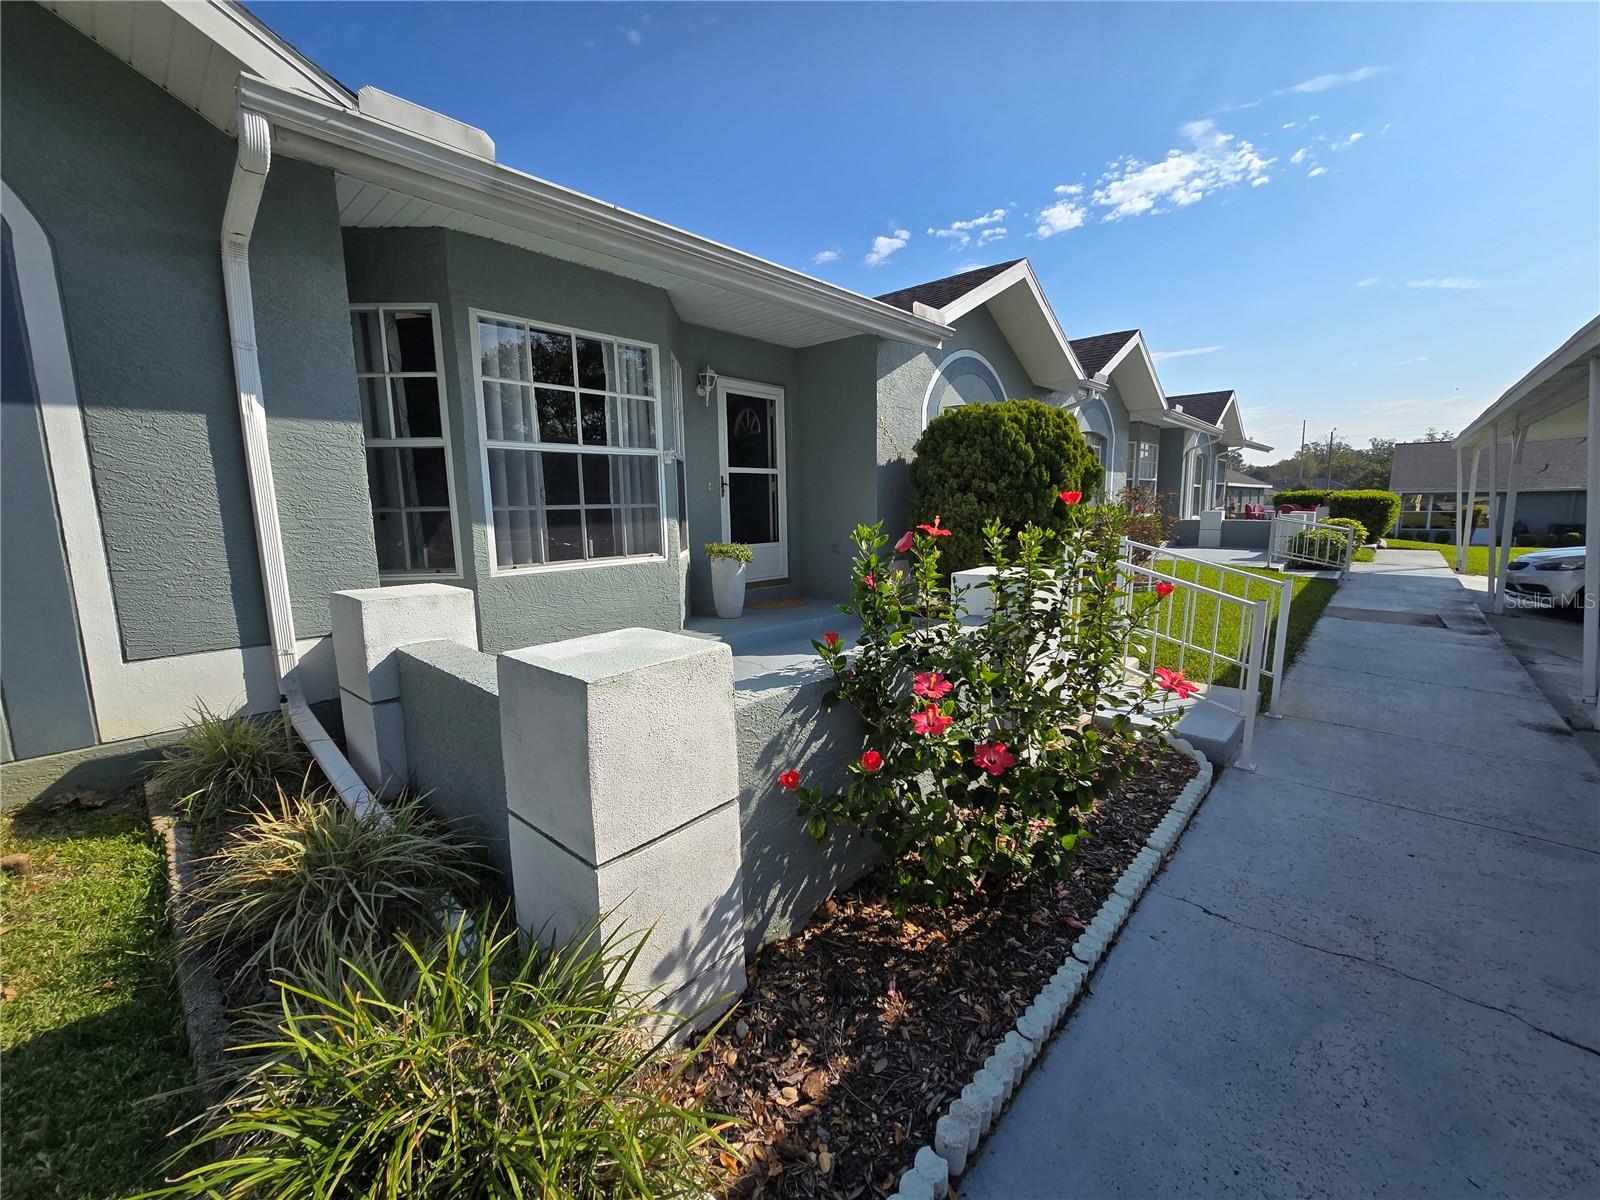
856,1034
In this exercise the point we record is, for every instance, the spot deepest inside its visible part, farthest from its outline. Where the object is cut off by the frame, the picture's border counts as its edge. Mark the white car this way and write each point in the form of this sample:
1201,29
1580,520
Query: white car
1548,578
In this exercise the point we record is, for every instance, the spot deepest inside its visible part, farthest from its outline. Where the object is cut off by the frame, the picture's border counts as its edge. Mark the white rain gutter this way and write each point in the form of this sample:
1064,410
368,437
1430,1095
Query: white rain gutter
238,223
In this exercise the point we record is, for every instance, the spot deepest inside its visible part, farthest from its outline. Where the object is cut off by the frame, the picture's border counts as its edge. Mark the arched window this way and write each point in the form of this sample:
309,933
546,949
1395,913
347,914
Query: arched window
964,378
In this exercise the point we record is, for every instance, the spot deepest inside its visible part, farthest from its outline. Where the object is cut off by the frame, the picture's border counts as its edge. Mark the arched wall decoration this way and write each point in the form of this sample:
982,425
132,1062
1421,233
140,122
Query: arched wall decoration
962,365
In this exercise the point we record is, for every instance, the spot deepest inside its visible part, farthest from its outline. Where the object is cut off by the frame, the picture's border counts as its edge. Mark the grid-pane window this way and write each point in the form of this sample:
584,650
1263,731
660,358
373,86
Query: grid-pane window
573,428
408,459
1145,466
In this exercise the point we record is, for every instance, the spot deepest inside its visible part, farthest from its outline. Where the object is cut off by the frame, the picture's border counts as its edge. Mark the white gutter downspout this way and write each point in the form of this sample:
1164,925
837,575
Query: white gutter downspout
238,222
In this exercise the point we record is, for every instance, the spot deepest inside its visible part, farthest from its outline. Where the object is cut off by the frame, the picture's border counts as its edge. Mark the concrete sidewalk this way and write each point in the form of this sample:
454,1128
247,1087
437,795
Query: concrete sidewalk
1372,966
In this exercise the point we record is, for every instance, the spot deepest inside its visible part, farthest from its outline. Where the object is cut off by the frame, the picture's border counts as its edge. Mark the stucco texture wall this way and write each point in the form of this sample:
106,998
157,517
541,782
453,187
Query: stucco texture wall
837,467
130,187
904,375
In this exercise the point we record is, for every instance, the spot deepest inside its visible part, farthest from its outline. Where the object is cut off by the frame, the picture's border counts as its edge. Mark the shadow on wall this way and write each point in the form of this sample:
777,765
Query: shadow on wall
786,873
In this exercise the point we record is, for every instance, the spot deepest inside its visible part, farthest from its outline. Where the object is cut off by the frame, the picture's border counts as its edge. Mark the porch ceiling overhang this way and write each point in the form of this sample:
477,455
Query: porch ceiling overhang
1550,401
391,177
1018,305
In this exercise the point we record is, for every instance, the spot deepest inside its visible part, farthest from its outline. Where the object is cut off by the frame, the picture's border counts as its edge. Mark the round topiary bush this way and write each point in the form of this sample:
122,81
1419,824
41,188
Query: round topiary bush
1007,461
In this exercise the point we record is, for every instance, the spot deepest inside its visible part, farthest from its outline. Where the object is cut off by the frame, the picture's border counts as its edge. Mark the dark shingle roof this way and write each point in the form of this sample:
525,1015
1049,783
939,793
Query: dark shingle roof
1239,479
1558,465
938,293
1095,352
1203,406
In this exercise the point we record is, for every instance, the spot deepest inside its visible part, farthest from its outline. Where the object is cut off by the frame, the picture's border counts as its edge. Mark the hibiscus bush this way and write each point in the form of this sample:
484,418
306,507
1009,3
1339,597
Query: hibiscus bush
983,753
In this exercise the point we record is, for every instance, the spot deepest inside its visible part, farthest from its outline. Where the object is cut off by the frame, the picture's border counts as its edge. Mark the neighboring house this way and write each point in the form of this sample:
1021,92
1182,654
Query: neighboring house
1551,491
267,339
1245,489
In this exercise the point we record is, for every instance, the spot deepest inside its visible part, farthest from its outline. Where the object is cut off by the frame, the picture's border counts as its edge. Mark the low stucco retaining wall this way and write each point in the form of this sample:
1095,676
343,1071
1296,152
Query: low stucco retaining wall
450,697
1236,534
782,724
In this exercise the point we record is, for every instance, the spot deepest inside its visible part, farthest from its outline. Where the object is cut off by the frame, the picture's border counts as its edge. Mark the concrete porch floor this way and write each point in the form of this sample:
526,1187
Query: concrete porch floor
774,644
1372,967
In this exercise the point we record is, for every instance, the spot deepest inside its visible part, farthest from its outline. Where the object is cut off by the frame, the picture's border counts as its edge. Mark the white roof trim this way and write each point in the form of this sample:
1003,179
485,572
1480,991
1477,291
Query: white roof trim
1020,272
1581,345
1136,342
358,145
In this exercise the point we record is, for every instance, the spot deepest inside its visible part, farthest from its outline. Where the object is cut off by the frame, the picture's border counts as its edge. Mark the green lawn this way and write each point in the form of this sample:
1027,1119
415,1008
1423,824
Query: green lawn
93,1057
1309,598
1477,556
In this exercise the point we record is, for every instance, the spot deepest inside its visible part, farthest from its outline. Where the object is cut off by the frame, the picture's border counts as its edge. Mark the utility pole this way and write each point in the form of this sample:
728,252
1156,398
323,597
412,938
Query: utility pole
1302,453
1331,432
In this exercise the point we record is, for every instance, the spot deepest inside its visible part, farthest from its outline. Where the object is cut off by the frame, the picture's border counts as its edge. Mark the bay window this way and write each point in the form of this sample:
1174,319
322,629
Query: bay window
408,452
572,435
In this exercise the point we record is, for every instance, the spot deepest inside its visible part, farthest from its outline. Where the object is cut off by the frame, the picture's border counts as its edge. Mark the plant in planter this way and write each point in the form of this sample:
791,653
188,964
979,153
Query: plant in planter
728,561
983,749
224,766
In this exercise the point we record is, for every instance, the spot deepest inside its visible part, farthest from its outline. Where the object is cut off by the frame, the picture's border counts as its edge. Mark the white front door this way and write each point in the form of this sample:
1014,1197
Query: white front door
750,425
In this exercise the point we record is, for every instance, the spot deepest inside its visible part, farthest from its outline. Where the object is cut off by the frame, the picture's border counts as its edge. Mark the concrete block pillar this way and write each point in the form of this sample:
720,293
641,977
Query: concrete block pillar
369,625
975,587
1209,534
622,788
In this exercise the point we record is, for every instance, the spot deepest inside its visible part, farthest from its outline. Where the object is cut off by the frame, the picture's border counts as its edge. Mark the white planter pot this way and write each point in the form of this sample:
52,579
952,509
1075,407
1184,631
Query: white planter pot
727,587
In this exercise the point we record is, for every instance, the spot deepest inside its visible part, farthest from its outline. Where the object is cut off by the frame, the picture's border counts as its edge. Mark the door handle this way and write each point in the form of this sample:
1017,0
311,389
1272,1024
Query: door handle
724,479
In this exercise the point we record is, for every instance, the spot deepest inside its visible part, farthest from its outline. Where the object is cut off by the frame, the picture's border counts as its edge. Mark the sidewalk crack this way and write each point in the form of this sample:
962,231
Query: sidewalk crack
1386,968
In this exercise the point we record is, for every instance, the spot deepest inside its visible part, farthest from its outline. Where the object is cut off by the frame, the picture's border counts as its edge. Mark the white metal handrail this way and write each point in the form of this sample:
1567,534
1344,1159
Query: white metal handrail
1276,589
1178,624
1288,542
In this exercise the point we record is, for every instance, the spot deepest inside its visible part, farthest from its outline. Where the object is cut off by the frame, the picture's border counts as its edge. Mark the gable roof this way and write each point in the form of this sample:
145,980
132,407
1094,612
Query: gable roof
1558,465
938,293
1095,352
1203,406
1239,479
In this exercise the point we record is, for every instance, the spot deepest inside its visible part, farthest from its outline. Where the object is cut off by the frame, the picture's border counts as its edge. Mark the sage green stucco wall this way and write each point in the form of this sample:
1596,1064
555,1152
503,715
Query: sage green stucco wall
838,467
904,374
130,187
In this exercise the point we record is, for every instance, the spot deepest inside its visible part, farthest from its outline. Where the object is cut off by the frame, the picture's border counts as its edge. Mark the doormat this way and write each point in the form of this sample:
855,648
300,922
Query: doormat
786,602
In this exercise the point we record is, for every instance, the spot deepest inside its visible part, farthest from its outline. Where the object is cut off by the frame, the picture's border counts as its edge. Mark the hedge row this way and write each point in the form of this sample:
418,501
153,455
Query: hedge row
1377,510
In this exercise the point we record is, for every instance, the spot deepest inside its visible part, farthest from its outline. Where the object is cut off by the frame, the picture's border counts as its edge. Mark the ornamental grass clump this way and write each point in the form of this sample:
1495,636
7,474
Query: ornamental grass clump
223,766
498,1071
983,752
312,877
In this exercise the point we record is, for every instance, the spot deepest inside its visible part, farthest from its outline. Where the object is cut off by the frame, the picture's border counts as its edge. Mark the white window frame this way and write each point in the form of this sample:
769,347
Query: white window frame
415,443
474,316
1140,478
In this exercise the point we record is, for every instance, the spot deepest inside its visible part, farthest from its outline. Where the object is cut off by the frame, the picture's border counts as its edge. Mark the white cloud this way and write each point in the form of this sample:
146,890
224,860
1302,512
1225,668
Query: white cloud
1069,189
1260,179
1058,218
883,247
1290,124
633,35
1315,171
960,232
1346,143
1299,156
1163,355
827,256
1321,83
993,234
1214,161
1406,362
1453,282
1370,281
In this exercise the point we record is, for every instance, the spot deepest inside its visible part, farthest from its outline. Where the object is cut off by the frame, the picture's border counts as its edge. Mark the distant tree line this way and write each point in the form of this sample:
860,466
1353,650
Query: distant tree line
1351,467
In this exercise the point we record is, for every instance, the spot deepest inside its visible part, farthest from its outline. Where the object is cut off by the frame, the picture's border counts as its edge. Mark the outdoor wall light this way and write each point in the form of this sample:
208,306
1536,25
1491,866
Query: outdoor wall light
708,384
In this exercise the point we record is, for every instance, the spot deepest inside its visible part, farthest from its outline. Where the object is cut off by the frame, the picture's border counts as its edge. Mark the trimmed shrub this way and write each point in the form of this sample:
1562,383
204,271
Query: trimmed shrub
1301,497
229,765
1355,526
1376,510
1315,547
313,877
497,1071
1003,462
1571,538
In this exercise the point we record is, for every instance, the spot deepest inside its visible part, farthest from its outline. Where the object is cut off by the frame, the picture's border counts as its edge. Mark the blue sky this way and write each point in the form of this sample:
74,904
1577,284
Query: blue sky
1369,216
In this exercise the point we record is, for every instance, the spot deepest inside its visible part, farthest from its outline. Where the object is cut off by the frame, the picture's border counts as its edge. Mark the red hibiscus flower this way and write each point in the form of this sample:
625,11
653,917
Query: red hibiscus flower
871,762
929,721
789,780
830,640
907,540
869,580
934,530
1163,589
993,757
931,685
1071,497
1173,681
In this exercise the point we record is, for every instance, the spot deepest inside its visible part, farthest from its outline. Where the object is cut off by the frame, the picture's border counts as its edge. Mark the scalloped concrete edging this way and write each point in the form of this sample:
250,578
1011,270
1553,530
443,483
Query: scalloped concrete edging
205,1017
961,1128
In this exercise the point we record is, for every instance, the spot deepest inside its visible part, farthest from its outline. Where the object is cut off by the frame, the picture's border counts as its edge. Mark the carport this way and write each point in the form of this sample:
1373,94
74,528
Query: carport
1559,398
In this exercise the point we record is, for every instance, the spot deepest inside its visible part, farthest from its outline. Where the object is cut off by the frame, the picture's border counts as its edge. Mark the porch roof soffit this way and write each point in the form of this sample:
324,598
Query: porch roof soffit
1548,402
